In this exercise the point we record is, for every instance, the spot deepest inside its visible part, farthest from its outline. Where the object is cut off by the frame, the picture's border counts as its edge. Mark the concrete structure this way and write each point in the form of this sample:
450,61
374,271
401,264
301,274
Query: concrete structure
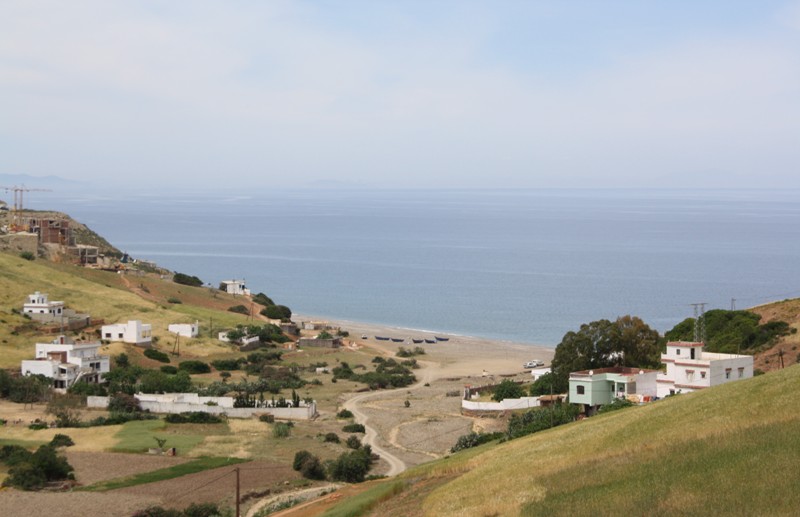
234,287
246,340
594,388
189,330
185,402
67,362
319,343
134,332
690,368
39,306
537,373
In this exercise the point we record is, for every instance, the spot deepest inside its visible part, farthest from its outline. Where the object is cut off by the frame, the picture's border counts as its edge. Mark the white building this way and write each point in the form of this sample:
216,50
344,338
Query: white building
689,368
189,330
38,304
234,287
67,363
134,332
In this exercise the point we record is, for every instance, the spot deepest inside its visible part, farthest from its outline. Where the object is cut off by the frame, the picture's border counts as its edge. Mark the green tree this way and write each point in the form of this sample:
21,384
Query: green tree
507,389
183,279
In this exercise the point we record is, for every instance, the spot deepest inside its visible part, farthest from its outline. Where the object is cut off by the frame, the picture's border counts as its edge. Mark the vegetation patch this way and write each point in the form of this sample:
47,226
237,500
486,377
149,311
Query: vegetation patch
174,471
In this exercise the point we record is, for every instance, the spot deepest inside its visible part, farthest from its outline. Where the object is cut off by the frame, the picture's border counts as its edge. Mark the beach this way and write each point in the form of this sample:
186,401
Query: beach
405,435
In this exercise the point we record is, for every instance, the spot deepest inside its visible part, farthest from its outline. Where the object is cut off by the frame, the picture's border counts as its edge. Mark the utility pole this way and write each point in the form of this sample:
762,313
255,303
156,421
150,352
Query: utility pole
237,492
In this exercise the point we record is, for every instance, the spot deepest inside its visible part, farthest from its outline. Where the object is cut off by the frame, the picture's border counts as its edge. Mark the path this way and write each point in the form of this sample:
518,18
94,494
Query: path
396,465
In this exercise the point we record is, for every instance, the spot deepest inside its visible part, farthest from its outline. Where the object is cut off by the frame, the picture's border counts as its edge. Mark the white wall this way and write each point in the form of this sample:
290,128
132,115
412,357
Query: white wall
503,405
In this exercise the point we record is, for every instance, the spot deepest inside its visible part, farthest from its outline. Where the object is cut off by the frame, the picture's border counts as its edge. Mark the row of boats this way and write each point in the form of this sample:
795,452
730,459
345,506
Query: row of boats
415,340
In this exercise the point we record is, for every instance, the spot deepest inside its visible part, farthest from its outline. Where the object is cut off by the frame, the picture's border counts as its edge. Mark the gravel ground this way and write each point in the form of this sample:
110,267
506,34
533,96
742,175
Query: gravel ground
91,467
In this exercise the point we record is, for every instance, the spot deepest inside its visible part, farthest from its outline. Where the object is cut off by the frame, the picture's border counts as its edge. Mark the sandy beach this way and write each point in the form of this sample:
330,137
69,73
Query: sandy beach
405,436
459,356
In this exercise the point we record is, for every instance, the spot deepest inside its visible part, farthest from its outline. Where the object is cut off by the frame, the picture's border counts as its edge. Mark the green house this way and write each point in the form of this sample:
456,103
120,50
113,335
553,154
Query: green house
594,388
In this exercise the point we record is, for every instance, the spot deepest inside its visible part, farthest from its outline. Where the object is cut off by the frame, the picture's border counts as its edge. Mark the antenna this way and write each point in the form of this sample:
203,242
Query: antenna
699,322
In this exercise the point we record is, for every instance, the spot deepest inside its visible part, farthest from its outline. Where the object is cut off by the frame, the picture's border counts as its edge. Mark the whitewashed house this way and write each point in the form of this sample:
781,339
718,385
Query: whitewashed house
39,306
690,368
234,287
134,332
67,362
189,330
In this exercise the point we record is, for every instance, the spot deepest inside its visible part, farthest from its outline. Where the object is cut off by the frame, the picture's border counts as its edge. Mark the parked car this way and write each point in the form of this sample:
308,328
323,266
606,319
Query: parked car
533,364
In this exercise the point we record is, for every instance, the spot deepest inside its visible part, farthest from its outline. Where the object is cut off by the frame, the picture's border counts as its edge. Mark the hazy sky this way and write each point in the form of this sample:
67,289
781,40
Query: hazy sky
404,93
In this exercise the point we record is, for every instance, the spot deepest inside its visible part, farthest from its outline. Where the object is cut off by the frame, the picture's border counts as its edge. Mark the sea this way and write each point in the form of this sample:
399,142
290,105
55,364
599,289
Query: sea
523,266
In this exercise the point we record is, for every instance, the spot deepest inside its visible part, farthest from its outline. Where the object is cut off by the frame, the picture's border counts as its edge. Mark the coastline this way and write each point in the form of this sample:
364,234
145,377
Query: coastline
458,356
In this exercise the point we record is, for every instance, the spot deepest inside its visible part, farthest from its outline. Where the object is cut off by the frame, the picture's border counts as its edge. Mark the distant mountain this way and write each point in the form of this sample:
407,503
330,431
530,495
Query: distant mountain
18,180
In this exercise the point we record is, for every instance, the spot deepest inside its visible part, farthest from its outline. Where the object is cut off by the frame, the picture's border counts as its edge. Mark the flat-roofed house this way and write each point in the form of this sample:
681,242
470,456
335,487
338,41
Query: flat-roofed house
67,363
134,332
598,387
691,368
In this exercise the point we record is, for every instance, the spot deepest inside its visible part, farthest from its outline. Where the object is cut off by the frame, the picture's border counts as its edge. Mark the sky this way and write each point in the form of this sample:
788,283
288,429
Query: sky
402,94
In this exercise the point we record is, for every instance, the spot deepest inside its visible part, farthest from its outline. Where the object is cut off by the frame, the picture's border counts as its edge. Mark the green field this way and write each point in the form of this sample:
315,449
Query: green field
733,449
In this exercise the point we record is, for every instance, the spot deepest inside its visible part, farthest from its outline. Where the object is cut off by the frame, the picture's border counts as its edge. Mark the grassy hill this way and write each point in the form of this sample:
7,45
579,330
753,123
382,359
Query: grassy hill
108,296
733,449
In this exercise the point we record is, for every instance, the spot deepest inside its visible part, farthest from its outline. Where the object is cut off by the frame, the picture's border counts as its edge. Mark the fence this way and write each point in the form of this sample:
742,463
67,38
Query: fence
305,412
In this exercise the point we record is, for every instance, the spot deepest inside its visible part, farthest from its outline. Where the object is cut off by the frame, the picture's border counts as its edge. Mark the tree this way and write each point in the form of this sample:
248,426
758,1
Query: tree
507,389
626,342
180,278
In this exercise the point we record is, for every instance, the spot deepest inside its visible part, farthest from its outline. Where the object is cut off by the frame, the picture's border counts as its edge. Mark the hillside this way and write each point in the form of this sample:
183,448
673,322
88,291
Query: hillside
727,450
788,346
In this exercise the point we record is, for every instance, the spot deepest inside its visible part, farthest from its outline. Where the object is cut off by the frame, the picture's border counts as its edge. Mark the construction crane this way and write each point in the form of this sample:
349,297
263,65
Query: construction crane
18,199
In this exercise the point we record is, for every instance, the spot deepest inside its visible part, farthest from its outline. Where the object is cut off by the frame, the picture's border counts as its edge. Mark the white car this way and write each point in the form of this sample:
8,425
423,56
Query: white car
533,364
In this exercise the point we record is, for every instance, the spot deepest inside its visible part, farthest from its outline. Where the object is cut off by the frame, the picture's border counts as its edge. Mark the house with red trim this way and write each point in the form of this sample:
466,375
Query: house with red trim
691,368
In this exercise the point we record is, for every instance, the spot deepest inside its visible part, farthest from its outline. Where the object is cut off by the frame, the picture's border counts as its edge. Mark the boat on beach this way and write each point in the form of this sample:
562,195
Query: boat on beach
397,339
430,341
441,338
381,338
417,341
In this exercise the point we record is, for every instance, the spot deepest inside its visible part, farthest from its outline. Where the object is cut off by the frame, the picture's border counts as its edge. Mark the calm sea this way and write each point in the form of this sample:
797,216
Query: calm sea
523,266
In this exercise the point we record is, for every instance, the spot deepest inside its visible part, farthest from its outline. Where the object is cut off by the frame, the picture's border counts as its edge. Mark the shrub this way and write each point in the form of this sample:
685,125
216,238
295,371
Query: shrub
345,413
508,389
61,440
332,438
193,417
183,279
124,403
263,299
474,439
228,364
615,405
156,355
354,428
351,467
194,366
281,430
239,309
27,255
308,465
277,312
353,442
169,369
267,418
174,300
32,471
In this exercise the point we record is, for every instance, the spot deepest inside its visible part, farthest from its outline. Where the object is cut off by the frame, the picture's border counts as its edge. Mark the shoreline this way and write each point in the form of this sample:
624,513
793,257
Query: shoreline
459,356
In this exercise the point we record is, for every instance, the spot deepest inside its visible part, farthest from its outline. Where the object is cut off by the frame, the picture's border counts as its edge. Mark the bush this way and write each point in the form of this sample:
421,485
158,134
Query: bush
183,279
61,440
308,465
474,439
174,300
507,389
228,364
277,312
239,309
124,403
345,413
615,405
353,442
156,355
169,369
351,467
263,299
332,438
354,428
267,418
194,366
31,471
281,430
27,255
193,417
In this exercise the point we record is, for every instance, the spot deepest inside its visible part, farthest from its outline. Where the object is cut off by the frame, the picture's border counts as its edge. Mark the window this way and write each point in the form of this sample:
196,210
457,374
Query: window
702,375
741,372
677,351
689,375
727,373
581,390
